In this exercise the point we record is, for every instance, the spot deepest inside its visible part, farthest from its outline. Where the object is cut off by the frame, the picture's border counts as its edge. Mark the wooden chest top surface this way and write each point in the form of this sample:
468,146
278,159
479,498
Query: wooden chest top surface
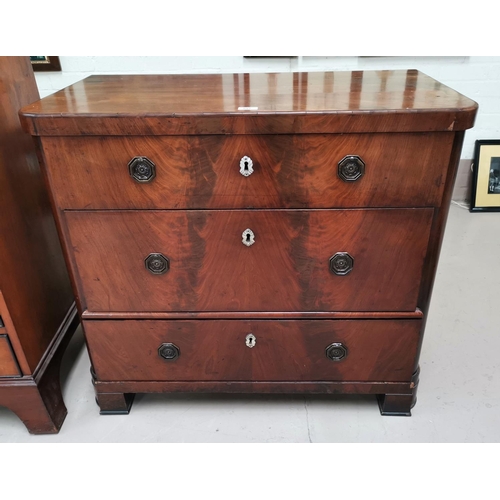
323,102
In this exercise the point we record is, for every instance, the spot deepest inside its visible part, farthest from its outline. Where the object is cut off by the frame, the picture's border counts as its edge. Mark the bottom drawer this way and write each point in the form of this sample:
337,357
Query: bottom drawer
8,361
286,350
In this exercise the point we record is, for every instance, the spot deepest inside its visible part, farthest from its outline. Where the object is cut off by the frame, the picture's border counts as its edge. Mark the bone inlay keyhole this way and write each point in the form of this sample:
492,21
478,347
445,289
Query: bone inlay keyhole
250,340
247,237
246,166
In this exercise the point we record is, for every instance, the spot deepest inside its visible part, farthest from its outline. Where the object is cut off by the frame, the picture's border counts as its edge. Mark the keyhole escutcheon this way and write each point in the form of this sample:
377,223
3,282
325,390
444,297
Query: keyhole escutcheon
248,237
250,340
246,166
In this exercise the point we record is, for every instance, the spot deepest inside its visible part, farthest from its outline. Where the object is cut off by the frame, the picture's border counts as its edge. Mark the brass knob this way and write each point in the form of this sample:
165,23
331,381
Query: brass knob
351,168
341,263
336,351
142,169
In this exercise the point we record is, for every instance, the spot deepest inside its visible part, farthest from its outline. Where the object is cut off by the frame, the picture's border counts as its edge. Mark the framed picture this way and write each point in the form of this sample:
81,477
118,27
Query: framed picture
485,196
45,63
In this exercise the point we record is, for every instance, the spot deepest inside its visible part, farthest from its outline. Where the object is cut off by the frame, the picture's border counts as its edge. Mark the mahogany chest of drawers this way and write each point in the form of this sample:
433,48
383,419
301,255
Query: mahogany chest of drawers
272,233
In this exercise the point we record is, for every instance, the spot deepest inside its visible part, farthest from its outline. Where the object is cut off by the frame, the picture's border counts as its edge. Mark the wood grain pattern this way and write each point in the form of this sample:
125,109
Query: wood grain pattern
285,350
36,302
8,363
290,171
33,277
438,226
287,269
329,102
436,236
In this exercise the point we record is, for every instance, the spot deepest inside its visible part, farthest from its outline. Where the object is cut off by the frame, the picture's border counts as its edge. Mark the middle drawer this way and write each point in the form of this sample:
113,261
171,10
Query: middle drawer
288,260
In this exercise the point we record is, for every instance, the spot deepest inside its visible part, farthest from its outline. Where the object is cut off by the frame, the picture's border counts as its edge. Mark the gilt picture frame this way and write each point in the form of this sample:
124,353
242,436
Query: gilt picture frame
485,194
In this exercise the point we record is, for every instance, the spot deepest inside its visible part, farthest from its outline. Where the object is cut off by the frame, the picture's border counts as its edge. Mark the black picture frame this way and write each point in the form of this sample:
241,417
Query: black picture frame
45,63
490,162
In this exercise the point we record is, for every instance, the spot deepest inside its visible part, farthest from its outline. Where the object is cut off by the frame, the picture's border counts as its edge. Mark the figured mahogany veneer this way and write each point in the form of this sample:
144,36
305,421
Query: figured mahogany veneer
377,350
325,244
290,171
287,269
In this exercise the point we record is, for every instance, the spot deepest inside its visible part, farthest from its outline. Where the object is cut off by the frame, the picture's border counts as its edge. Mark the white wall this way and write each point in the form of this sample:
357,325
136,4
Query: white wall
476,77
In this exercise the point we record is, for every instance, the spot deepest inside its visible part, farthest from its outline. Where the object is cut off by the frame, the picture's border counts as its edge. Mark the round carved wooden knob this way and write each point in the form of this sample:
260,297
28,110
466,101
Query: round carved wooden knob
169,351
157,263
351,168
341,263
336,351
142,169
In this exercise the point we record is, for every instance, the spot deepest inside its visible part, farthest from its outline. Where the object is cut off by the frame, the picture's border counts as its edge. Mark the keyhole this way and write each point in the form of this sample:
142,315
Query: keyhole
246,166
248,238
250,340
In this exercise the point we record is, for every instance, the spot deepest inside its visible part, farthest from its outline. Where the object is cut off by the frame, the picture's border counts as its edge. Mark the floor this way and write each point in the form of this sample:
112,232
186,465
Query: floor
459,392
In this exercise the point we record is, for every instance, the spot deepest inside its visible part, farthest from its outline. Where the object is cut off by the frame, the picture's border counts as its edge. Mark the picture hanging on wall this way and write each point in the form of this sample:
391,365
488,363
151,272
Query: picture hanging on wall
45,63
485,196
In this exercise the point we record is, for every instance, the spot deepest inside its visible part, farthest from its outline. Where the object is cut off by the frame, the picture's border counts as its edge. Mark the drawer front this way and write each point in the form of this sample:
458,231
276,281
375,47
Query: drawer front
8,362
359,350
299,260
302,171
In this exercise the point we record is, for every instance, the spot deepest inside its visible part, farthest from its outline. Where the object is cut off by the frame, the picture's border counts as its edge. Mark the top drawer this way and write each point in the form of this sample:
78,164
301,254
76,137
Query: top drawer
289,171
